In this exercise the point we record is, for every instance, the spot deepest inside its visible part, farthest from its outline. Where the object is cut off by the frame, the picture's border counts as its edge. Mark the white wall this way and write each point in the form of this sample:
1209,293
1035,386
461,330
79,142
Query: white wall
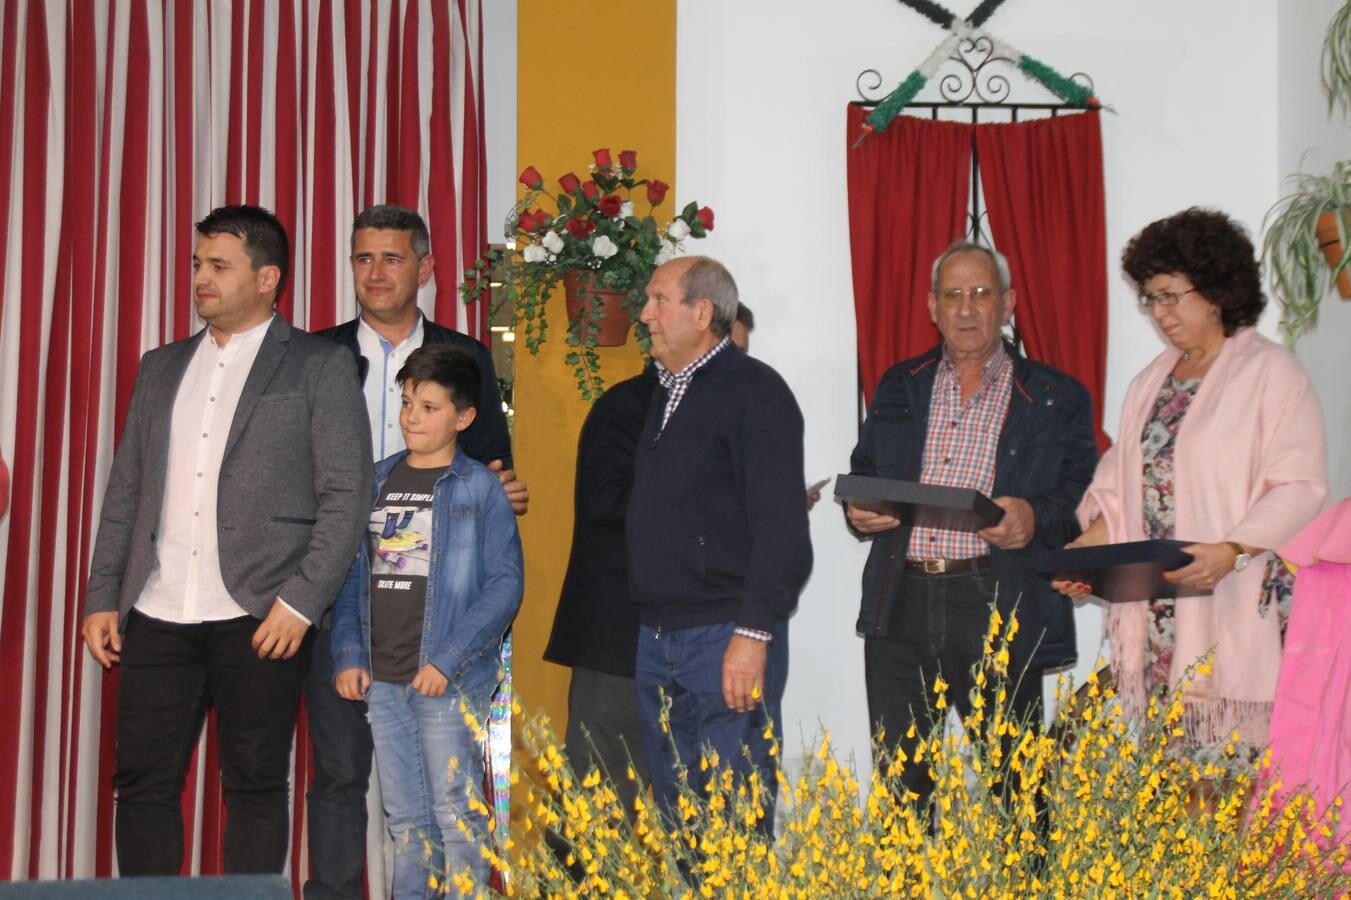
762,88
1309,139
499,110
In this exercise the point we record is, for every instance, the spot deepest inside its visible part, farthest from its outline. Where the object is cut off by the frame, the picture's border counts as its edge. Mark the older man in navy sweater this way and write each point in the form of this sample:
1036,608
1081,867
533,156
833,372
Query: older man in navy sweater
717,535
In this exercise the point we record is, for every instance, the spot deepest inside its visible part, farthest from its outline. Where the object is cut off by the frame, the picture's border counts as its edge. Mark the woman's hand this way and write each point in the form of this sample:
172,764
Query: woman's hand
1210,563
1075,590
1095,535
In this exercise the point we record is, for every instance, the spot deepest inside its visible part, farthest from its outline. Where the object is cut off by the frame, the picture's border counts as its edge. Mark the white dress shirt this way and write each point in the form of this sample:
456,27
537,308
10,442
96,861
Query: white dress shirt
383,397
187,587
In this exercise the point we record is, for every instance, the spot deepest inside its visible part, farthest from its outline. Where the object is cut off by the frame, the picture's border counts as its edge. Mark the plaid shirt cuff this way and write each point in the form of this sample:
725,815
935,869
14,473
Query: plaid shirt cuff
754,634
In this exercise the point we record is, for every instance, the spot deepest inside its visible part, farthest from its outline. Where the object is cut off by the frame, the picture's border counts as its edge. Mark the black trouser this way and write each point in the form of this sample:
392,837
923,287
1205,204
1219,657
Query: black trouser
341,739
605,708
937,626
170,676
604,731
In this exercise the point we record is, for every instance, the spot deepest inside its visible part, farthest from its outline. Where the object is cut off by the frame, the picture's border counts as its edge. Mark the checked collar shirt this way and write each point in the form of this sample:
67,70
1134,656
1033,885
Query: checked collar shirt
960,447
676,383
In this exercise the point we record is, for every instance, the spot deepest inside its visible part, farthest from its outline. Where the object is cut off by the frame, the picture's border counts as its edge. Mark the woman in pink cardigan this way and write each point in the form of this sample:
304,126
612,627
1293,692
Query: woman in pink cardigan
1221,444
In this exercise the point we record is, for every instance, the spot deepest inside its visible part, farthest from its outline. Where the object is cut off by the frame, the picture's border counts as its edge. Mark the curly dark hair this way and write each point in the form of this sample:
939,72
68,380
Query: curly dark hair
1212,251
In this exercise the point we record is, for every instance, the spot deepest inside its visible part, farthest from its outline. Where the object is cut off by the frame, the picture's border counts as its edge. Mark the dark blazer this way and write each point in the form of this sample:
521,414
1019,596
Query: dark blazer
596,625
487,438
1046,456
294,487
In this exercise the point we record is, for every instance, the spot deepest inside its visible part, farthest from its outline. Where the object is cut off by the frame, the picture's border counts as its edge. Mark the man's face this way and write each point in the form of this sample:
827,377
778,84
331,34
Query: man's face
741,336
680,330
231,294
968,308
387,271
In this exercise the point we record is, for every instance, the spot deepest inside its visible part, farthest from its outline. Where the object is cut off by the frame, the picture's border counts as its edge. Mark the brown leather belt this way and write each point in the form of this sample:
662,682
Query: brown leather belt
974,565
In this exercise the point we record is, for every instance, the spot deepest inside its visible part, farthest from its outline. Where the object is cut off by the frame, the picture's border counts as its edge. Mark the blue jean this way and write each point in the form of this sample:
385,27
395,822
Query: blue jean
416,740
685,667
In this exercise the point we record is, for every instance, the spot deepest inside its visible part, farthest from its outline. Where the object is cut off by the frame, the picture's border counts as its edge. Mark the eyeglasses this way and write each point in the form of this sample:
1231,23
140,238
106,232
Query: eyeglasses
953,295
1163,298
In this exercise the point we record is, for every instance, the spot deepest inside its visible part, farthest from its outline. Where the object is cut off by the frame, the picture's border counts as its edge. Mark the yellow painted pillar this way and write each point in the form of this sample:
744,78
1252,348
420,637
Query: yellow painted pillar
591,74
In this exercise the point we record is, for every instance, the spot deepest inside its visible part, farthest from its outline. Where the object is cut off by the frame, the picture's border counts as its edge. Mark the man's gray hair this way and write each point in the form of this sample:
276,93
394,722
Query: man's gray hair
388,217
1001,264
706,277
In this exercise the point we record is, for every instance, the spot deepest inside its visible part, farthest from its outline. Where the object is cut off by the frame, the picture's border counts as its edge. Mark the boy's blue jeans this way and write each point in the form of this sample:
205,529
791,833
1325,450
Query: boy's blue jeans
684,667
416,740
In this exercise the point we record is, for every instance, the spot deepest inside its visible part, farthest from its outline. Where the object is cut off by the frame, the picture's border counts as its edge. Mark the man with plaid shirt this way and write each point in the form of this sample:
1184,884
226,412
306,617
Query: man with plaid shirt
970,413
717,537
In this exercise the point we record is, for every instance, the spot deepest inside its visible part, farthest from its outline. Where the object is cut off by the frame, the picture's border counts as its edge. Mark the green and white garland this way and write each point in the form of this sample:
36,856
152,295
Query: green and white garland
1072,92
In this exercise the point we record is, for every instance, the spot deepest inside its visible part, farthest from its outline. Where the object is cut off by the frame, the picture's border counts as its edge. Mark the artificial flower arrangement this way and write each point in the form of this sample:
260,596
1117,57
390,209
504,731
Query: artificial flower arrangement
594,241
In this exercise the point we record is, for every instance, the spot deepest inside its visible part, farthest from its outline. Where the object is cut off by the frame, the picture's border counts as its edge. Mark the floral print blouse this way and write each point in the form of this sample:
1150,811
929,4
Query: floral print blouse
1159,442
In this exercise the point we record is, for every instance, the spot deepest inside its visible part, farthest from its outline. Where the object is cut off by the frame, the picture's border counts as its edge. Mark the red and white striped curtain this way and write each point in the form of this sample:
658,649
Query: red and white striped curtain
121,123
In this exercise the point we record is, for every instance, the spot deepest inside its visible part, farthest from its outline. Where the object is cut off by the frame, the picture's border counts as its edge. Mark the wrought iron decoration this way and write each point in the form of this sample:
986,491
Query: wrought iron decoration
969,44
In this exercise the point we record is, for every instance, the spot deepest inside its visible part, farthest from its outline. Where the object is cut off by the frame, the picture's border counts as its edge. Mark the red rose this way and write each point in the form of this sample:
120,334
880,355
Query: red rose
628,160
526,222
705,217
591,190
532,179
580,228
610,205
656,191
602,158
569,183
542,218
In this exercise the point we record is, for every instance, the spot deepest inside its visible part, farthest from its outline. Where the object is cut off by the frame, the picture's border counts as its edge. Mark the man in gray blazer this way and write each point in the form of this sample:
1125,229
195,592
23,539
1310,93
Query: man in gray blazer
237,499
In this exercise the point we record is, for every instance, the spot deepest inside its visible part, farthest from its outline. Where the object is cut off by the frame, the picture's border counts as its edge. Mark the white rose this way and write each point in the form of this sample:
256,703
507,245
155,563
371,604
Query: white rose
666,253
677,230
535,253
603,247
552,242
626,210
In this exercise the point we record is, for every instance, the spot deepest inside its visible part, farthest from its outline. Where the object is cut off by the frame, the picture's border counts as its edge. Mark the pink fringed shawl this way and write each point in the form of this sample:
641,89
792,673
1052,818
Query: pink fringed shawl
1249,467
1311,720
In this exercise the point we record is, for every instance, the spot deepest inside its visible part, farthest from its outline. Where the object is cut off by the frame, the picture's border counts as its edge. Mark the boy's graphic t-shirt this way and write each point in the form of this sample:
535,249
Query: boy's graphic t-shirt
401,539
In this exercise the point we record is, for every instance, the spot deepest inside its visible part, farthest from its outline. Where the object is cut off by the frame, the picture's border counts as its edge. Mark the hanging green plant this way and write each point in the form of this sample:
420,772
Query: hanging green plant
1337,61
1301,266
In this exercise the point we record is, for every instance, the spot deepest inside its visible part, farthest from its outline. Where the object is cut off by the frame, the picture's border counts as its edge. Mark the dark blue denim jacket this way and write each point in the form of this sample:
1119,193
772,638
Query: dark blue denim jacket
1046,455
473,587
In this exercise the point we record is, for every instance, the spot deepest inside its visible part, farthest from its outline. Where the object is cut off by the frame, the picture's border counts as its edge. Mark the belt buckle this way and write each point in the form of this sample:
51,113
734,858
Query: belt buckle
934,566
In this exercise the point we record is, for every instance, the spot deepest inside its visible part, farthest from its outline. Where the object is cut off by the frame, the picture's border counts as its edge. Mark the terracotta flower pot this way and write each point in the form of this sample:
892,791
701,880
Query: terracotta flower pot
1330,242
615,323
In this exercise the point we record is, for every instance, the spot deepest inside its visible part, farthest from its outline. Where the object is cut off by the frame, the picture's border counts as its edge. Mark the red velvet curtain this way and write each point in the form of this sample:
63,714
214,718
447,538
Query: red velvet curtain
908,190
1043,187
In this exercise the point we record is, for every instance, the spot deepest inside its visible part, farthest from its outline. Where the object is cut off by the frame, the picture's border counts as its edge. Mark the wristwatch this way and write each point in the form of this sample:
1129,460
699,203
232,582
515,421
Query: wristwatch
1241,556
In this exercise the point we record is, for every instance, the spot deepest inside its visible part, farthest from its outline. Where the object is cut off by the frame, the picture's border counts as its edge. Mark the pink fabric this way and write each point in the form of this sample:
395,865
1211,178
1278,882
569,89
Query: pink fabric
1311,720
1328,538
1250,468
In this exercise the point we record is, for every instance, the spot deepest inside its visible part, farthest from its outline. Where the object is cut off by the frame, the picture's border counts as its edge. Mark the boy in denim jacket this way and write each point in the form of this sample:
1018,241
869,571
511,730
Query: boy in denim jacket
420,622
